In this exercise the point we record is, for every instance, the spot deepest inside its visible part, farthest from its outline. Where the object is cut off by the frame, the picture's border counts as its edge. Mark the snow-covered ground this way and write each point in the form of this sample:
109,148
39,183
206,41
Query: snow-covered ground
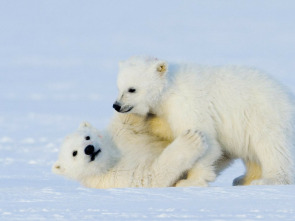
58,65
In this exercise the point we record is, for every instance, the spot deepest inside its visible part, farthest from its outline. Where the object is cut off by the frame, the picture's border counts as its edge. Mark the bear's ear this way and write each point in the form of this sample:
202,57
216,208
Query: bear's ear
84,124
161,68
99,134
56,168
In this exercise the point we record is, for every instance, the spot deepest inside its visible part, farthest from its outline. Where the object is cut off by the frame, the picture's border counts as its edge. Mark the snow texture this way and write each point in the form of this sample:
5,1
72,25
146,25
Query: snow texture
58,67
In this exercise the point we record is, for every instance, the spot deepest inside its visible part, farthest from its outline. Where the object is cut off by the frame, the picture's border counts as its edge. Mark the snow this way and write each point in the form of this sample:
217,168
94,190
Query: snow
58,65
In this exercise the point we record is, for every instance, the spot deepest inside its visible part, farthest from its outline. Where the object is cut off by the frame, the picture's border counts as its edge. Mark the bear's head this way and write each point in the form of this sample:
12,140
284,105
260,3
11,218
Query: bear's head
84,153
141,81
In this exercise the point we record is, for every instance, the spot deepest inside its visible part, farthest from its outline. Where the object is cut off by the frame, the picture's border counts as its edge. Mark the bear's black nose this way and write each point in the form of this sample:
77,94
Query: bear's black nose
89,150
117,106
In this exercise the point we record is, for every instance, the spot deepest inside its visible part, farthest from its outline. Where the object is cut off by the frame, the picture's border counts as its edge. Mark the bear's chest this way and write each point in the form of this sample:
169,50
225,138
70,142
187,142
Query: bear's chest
159,127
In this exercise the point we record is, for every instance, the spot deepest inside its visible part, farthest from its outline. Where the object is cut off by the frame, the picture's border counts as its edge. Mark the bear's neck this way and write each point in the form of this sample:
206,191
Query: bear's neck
158,104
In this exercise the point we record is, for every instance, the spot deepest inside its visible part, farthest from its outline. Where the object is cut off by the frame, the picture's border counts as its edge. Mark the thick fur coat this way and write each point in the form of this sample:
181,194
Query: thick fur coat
242,112
127,156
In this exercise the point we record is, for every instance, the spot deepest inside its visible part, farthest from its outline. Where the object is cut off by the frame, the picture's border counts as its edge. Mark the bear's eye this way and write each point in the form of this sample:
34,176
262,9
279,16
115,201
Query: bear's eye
75,152
131,90
87,138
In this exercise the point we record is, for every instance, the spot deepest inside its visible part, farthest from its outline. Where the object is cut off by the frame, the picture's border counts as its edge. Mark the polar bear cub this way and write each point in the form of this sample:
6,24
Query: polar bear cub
242,112
96,161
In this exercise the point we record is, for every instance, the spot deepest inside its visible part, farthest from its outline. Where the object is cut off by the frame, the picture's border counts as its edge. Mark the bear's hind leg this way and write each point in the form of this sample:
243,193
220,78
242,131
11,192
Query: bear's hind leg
253,172
276,162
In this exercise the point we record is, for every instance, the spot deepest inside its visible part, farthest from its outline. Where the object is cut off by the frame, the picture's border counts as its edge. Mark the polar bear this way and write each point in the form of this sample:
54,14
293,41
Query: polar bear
242,112
94,159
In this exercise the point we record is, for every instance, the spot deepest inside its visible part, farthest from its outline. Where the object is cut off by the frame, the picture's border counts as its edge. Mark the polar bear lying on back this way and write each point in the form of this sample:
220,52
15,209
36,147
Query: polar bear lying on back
242,112
94,158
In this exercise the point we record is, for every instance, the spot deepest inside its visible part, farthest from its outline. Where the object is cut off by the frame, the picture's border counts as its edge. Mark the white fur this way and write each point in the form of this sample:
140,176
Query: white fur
125,159
242,112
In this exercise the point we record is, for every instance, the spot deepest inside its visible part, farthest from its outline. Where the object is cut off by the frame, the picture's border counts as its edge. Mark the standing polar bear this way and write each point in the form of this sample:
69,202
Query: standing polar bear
127,156
242,112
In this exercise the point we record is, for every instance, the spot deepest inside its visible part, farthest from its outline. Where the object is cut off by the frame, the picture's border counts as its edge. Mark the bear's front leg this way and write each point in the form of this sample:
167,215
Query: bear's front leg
177,158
